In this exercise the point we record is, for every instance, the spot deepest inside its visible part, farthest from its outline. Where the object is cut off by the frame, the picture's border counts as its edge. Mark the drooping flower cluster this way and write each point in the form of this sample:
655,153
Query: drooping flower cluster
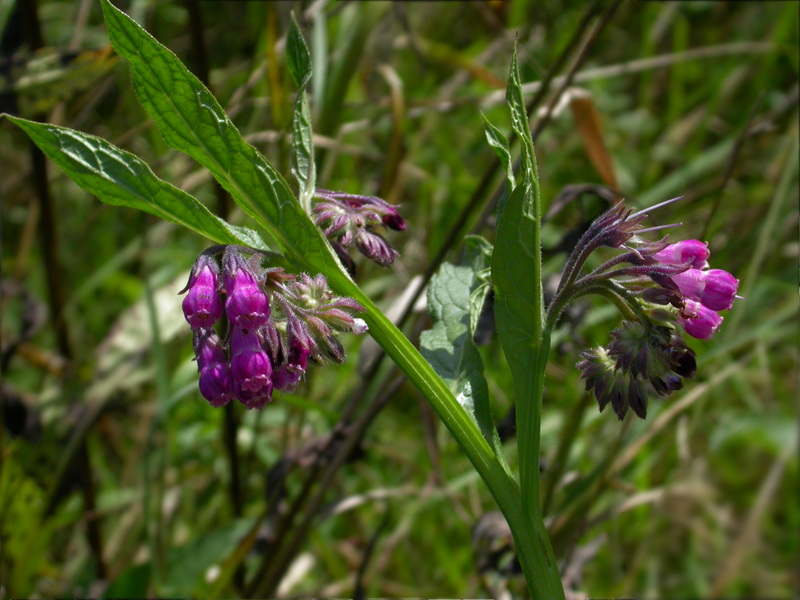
351,220
277,323
665,286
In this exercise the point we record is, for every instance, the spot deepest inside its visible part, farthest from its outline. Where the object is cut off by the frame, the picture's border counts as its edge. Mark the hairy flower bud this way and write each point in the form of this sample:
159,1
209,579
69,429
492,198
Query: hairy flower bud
202,306
350,219
612,385
714,289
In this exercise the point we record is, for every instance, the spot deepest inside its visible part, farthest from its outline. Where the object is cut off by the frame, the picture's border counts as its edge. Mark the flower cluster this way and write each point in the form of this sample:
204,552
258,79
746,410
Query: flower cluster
664,286
277,323
350,220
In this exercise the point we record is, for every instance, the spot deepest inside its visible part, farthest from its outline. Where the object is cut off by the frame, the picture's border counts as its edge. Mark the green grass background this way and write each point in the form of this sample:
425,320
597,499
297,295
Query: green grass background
116,477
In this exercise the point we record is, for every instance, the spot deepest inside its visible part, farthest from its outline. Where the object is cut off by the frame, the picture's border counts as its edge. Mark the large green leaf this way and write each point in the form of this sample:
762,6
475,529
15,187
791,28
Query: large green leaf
120,178
303,167
450,350
192,121
519,304
516,262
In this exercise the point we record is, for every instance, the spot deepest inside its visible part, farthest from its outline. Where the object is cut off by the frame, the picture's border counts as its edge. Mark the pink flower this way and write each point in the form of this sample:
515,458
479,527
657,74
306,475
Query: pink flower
699,321
714,289
693,252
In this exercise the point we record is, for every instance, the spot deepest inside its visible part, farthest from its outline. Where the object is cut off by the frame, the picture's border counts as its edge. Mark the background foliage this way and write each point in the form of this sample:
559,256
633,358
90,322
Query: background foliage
118,480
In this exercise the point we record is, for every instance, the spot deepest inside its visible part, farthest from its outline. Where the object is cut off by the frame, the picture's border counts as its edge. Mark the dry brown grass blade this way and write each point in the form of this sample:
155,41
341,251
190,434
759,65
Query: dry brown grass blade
587,121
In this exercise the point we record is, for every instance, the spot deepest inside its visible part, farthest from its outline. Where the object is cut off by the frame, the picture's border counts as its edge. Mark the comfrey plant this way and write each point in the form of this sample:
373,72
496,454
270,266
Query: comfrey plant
277,323
665,286
266,302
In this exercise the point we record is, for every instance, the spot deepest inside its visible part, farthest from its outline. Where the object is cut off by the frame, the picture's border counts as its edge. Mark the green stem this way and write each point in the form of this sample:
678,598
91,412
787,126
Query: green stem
524,517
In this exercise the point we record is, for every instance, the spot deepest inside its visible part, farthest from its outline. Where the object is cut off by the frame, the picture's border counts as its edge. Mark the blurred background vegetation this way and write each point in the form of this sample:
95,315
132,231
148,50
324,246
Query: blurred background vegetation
118,480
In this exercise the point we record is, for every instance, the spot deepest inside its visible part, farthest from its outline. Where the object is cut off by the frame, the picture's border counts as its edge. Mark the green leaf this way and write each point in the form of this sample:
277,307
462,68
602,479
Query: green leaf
517,263
298,55
303,167
521,126
479,256
519,315
192,121
449,348
500,144
516,290
120,178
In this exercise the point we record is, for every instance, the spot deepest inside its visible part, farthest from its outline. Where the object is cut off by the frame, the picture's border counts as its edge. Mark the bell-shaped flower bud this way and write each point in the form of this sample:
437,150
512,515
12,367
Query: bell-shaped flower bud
699,321
216,384
693,252
247,305
251,368
714,289
202,306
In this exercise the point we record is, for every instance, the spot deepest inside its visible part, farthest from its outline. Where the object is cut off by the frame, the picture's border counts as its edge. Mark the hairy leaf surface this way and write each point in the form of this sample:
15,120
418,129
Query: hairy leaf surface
192,121
449,348
120,178
303,167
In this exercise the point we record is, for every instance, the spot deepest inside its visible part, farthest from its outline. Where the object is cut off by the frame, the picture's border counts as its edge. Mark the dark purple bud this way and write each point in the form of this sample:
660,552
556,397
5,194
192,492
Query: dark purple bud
250,366
247,305
202,306
693,252
637,398
208,348
699,321
216,385
714,289
215,377
393,220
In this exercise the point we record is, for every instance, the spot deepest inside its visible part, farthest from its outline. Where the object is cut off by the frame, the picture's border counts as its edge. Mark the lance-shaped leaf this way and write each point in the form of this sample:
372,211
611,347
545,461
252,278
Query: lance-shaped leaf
191,120
449,348
303,167
519,304
516,263
120,178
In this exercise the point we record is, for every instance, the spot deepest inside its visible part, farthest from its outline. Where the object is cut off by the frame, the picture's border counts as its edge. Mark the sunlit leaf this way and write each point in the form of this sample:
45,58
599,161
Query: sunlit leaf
120,178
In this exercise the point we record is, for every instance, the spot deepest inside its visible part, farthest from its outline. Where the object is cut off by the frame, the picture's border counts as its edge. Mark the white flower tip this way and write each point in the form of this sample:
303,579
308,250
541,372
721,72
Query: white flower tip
359,326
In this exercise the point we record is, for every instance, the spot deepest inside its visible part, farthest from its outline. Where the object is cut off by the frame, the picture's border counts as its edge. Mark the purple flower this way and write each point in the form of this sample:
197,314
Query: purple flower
693,252
202,306
714,289
251,369
699,321
247,305
216,385
288,374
